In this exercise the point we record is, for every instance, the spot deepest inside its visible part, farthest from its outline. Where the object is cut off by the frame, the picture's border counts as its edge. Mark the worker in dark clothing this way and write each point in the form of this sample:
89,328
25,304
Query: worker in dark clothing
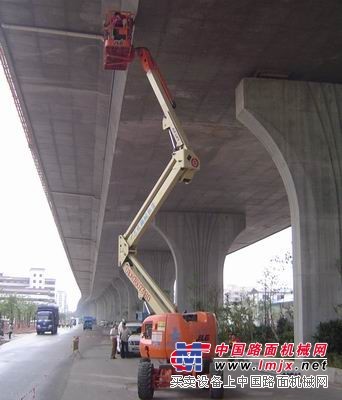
10,331
124,335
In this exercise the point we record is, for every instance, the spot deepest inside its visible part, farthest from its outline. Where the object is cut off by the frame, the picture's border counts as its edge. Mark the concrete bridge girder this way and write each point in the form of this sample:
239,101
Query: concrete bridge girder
100,309
299,124
199,243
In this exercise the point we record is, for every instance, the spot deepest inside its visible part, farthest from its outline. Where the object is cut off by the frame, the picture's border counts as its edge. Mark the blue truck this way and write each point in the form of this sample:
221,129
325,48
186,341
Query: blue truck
47,319
88,323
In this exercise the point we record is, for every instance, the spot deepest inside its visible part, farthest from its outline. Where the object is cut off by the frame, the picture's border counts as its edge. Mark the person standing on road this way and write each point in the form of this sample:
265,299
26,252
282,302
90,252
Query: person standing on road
114,338
119,331
10,331
120,325
125,334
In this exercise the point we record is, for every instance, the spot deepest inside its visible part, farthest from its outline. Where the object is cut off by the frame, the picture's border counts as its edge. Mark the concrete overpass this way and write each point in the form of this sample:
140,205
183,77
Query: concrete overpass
270,149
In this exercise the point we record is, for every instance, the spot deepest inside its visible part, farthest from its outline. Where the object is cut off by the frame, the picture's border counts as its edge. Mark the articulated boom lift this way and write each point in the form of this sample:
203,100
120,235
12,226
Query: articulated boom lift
181,168
167,326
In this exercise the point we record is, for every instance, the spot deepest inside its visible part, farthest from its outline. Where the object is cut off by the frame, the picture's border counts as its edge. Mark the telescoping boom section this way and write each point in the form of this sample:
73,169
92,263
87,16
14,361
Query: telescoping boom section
181,168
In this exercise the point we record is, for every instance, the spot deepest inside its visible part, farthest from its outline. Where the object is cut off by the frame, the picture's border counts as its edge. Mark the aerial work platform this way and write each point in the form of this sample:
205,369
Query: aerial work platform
118,35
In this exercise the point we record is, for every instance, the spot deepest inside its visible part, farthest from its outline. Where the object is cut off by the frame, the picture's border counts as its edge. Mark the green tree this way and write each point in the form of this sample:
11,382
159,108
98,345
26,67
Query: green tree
271,284
212,302
224,319
17,310
236,317
338,307
28,312
11,304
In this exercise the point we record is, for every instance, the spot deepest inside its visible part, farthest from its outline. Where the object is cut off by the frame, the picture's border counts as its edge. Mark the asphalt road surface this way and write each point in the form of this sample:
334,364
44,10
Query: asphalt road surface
35,366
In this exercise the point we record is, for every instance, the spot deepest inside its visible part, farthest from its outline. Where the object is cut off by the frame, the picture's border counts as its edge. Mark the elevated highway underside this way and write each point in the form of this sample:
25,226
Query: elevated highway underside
96,135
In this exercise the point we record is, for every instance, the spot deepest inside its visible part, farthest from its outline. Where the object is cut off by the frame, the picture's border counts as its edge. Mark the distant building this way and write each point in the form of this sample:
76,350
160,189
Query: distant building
280,299
36,288
237,293
61,301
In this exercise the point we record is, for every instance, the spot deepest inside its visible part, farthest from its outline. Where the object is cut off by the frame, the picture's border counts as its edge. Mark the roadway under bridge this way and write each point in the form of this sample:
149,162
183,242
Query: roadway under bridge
257,86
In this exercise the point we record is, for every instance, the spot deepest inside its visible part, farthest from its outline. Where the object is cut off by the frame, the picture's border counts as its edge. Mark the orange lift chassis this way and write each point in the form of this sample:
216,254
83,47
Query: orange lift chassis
161,330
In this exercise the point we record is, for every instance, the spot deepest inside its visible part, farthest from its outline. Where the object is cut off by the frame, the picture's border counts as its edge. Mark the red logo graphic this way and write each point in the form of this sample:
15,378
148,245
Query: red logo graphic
195,162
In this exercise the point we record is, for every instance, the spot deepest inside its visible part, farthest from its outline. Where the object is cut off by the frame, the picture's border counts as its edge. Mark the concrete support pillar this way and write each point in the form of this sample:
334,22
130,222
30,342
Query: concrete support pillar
87,308
117,304
121,287
133,303
199,243
100,309
108,297
91,309
128,297
83,308
97,313
161,266
105,306
299,123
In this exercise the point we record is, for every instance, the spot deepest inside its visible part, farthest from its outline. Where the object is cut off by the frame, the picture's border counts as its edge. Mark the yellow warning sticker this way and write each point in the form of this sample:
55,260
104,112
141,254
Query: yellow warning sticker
161,326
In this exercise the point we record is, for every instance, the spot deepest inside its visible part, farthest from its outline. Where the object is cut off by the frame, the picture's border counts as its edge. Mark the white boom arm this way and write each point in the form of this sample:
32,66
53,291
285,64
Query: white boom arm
181,168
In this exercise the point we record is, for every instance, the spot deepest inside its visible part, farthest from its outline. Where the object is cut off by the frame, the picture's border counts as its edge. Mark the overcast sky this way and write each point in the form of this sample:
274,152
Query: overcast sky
28,234
245,267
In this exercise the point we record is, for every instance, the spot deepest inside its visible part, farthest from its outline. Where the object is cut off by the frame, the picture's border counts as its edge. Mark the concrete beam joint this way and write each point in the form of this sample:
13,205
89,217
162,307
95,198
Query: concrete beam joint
50,31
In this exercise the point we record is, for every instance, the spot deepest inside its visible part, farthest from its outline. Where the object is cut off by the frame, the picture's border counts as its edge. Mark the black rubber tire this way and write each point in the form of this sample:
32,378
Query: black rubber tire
216,393
145,380
206,366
